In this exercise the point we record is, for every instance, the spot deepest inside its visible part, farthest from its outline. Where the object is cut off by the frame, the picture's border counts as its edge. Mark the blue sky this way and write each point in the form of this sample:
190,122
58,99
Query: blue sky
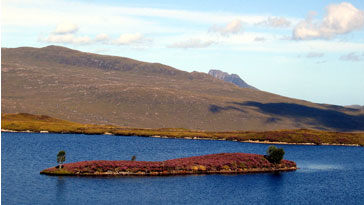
310,50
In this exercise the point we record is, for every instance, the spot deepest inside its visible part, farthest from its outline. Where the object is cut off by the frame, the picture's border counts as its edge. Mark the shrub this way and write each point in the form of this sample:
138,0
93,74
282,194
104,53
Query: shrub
61,157
226,167
242,165
194,168
202,168
274,154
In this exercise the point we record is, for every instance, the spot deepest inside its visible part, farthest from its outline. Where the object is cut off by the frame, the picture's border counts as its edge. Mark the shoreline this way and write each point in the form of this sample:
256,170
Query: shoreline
299,143
199,138
174,173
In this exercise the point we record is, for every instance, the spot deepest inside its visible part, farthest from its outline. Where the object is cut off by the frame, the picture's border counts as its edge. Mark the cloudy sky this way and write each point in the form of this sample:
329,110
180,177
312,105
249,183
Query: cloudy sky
311,50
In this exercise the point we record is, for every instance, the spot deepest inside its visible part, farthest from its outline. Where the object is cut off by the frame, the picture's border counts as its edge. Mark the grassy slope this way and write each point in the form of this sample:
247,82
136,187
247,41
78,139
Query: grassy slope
90,88
37,123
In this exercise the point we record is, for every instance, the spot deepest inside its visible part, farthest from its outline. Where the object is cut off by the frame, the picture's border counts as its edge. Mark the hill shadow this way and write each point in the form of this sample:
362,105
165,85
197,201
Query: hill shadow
329,118
217,109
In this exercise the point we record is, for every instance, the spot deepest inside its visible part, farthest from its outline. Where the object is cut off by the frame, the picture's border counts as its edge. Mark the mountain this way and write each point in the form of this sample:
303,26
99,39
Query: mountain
91,88
233,78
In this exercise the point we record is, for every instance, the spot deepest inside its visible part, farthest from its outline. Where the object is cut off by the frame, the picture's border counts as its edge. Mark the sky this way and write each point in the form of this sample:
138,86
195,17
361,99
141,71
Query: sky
311,50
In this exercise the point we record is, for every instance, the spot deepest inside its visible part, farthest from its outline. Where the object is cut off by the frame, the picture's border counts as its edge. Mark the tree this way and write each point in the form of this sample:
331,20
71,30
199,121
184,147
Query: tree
61,157
274,154
133,158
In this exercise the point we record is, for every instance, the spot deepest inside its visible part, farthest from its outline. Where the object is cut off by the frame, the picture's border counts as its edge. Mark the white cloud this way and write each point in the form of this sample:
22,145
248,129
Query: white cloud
66,33
246,43
102,37
192,43
65,28
314,55
320,62
40,12
67,38
247,38
275,22
260,39
353,56
233,27
39,17
128,38
339,19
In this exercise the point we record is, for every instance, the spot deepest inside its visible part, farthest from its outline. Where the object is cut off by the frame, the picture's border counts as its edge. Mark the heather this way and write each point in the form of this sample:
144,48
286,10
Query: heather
213,163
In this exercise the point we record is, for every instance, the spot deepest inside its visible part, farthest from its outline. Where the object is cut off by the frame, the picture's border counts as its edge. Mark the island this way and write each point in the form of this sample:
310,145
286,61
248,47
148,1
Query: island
222,163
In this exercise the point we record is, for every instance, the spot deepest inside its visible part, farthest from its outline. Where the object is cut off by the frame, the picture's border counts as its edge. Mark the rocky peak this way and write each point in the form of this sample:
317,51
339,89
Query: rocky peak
232,78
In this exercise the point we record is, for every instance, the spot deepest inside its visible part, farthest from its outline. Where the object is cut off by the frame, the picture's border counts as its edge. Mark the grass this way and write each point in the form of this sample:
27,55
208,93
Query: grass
56,171
38,123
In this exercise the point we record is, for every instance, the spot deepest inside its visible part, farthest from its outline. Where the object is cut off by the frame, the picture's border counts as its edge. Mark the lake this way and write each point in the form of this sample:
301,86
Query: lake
327,174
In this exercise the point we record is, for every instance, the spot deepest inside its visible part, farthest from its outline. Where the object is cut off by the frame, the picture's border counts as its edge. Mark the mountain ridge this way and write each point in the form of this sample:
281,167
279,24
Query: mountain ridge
91,88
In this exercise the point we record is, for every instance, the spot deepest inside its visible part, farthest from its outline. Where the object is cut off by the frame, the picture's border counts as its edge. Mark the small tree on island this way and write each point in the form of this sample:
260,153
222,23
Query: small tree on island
61,157
274,154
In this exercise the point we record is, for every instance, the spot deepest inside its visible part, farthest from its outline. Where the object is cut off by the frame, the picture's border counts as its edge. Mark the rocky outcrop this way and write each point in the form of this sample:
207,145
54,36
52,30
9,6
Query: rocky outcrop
358,107
232,78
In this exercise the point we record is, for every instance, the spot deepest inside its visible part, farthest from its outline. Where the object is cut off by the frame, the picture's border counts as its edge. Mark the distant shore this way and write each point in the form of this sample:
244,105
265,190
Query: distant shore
196,138
270,142
24,122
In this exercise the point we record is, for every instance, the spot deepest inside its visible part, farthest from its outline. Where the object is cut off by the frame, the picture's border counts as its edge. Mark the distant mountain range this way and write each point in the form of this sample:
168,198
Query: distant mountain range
233,78
90,88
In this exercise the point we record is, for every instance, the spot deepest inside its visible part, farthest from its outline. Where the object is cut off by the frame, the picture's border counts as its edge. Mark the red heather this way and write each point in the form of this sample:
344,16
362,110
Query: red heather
210,162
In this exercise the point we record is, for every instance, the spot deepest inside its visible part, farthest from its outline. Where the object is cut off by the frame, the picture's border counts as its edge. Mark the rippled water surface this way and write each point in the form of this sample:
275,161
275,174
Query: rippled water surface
327,174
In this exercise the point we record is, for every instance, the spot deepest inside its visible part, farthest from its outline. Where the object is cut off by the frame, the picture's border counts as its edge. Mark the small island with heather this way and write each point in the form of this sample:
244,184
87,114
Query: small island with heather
223,163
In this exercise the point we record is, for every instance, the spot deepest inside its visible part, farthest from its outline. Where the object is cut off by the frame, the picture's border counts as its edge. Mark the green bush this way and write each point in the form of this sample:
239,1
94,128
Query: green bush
274,154
61,157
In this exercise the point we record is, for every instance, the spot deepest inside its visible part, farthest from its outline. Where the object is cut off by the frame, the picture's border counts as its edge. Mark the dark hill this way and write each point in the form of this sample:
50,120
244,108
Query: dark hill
91,88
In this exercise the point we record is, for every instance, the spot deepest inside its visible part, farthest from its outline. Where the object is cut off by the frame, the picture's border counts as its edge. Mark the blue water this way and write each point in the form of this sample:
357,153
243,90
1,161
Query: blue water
327,174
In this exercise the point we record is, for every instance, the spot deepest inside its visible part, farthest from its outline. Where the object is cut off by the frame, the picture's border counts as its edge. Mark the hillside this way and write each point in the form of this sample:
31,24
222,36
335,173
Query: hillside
90,88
